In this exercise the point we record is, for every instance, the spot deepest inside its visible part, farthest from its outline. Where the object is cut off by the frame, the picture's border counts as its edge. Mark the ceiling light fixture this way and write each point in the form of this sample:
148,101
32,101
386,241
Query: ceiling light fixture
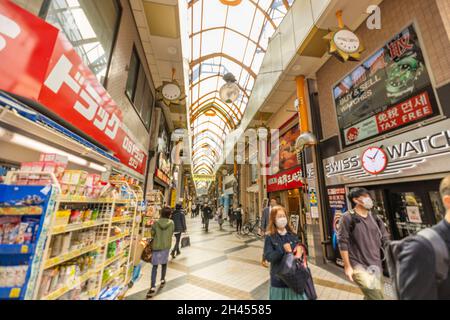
231,2
229,92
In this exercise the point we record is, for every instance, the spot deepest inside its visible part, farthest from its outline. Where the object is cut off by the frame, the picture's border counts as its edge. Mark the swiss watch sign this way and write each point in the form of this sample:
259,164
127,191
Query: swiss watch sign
39,63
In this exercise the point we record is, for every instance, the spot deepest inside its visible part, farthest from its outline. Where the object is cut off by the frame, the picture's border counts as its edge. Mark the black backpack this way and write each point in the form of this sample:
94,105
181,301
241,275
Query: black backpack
440,252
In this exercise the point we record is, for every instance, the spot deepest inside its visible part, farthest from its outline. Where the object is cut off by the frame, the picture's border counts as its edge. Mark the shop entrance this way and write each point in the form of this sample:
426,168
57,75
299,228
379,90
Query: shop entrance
407,208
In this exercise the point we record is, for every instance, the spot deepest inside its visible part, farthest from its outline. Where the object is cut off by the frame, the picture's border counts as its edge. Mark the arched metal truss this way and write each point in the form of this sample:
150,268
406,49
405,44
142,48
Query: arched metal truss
224,39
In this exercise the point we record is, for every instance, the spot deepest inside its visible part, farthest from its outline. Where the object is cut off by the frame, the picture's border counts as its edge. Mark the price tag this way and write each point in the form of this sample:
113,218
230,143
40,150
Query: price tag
59,229
14,293
24,249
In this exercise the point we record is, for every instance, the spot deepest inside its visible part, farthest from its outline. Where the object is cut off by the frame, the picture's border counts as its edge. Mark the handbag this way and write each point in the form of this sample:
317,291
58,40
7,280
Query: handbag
148,252
310,289
292,274
185,241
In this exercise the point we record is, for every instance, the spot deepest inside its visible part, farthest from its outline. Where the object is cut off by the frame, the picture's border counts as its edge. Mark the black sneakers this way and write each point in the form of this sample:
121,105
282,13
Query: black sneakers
151,293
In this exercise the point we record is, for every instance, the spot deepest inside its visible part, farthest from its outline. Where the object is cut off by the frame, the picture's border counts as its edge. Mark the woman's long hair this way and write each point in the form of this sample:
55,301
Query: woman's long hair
273,214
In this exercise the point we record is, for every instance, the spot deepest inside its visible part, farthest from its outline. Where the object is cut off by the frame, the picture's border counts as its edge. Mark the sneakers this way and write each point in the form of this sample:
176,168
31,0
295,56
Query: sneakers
173,255
151,293
163,283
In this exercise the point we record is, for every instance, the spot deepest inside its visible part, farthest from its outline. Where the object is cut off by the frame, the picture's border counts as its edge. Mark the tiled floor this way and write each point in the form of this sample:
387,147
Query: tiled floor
223,265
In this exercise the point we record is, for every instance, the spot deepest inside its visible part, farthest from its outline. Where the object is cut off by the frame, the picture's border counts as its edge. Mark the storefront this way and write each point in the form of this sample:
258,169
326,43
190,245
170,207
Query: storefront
402,174
285,185
393,138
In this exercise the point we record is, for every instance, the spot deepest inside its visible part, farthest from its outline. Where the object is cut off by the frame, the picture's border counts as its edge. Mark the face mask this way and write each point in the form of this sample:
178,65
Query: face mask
281,222
367,203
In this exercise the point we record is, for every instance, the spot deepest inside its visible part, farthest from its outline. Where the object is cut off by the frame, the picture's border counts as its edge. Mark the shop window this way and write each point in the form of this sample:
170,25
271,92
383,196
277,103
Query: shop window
90,26
138,89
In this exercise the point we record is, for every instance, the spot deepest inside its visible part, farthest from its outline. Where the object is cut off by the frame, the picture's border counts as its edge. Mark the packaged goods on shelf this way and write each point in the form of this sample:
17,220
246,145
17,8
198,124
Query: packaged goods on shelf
18,230
13,276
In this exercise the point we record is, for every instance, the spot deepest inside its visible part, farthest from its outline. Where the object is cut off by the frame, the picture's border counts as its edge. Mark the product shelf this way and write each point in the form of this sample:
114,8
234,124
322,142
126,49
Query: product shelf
79,199
66,288
7,249
121,219
71,255
119,236
10,292
114,258
78,226
112,278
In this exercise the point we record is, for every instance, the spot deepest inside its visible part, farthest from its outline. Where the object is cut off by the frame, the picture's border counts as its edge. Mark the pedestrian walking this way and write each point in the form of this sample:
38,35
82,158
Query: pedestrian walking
422,262
362,236
162,232
207,215
280,241
179,221
220,216
264,224
238,217
231,215
193,210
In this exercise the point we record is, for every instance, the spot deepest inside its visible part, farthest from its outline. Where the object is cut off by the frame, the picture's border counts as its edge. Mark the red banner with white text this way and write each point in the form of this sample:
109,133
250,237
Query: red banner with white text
286,180
39,63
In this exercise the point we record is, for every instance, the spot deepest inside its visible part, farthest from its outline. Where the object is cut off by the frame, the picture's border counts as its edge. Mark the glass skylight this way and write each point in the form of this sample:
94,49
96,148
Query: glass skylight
225,39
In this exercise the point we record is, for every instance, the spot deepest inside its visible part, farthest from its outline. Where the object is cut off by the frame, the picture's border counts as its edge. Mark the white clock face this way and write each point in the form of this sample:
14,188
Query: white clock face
374,160
171,91
346,41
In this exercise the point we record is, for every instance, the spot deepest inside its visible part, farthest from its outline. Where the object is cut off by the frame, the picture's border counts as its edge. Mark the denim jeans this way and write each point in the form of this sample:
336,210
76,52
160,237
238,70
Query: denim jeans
176,249
155,271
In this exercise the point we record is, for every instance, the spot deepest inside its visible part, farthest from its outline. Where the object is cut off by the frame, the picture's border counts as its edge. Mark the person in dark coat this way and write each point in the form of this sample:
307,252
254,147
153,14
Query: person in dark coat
179,219
280,241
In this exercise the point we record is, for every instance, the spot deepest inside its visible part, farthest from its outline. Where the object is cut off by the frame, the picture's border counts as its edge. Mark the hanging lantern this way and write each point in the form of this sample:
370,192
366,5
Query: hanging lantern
229,92
231,2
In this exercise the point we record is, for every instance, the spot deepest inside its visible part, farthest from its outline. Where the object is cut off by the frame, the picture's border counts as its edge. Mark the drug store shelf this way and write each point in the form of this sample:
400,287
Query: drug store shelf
75,199
7,249
68,256
66,288
114,258
112,278
121,219
119,236
77,226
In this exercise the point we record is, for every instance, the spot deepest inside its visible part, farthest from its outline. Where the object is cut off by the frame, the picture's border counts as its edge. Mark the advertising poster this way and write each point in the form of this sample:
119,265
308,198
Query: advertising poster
338,206
288,156
390,90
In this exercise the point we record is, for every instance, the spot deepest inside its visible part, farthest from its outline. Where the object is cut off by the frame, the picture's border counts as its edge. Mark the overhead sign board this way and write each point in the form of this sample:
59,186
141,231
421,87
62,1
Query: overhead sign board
39,63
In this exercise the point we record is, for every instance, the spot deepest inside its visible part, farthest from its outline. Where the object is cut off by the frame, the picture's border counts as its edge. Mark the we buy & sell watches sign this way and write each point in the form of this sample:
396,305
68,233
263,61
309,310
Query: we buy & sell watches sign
38,62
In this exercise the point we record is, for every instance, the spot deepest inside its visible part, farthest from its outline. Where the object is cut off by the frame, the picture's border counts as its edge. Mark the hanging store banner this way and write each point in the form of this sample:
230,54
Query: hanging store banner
390,90
38,62
203,177
286,180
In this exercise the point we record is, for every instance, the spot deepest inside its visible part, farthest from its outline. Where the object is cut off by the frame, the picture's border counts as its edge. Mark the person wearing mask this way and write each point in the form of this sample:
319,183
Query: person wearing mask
162,232
280,240
238,217
206,215
361,238
264,223
417,262
179,221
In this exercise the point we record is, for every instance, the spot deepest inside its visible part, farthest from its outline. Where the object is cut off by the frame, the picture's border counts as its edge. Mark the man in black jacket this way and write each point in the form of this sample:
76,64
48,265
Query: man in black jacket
206,215
417,262
179,220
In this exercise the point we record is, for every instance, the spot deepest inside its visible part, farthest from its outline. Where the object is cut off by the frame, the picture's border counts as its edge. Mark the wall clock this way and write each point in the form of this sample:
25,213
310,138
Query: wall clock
170,93
374,160
344,44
